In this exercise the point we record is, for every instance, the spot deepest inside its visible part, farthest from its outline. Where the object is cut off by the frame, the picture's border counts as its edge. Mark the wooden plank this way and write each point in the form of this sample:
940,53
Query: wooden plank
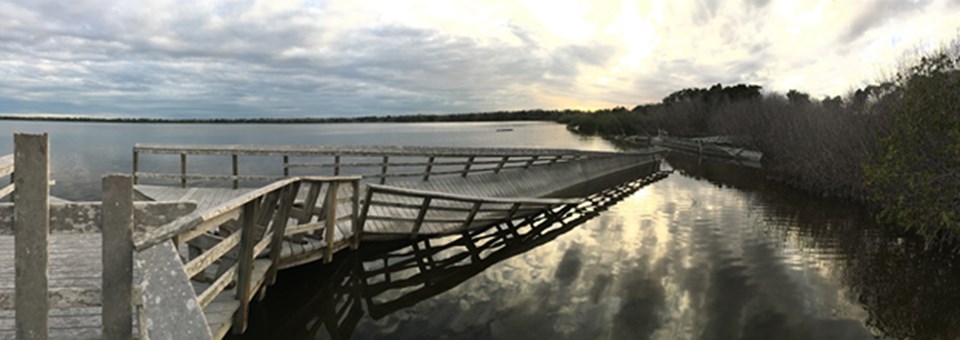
84,217
199,263
6,165
209,294
367,150
117,256
220,316
245,265
170,304
32,217
4,191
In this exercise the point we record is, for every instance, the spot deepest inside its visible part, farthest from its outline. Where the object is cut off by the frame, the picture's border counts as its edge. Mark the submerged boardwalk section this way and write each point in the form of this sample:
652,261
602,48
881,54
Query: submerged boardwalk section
195,233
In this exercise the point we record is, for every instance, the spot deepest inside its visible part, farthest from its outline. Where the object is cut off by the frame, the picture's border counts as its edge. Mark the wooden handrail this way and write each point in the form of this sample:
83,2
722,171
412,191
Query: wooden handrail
6,165
345,150
464,198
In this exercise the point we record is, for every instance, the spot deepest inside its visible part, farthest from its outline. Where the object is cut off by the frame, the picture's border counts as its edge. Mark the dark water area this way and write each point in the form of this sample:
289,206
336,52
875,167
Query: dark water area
711,251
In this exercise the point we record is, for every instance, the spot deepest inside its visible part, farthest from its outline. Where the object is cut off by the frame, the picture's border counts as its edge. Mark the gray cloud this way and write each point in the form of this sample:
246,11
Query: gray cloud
879,12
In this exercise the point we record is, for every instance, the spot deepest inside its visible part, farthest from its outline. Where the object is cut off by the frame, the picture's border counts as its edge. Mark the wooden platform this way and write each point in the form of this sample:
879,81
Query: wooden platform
74,286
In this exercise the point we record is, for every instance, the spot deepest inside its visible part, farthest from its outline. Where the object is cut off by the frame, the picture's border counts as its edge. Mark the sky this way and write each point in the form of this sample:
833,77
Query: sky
279,58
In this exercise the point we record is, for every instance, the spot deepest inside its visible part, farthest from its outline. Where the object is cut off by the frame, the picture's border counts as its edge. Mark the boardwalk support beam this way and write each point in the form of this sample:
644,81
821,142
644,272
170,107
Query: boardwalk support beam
32,219
116,225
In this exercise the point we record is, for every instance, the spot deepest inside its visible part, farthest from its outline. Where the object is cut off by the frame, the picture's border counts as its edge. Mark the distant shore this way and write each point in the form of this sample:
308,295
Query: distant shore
530,115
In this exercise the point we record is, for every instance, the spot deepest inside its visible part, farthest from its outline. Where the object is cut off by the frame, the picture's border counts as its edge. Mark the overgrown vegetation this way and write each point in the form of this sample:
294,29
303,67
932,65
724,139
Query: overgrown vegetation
894,145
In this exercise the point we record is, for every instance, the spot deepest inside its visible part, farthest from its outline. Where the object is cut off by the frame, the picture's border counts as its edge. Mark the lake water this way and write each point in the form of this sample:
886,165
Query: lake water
710,252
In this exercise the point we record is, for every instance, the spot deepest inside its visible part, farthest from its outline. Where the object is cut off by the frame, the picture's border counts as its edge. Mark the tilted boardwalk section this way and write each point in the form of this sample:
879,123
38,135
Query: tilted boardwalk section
193,256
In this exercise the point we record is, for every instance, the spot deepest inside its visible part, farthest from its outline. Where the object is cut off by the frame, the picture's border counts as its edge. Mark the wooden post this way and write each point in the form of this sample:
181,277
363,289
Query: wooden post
31,229
429,168
245,266
355,214
286,165
500,166
424,207
532,160
366,209
383,170
466,168
279,229
136,165
471,215
555,159
183,169
236,172
116,226
330,218
336,165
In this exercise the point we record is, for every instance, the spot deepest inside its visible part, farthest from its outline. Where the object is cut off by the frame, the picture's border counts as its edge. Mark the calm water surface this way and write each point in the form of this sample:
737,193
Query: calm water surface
710,252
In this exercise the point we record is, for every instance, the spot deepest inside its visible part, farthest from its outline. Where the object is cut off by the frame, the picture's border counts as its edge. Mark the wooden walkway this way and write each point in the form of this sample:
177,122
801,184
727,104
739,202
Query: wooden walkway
185,261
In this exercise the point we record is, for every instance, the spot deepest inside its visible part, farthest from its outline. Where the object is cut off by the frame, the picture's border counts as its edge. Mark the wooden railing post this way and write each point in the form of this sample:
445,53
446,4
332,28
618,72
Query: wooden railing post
502,163
426,176
116,226
245,265
136,164
31,230
183,169
336,165
383,170
424,207
532,160
289,194
366,209
355,214
466,168
236,171
330,218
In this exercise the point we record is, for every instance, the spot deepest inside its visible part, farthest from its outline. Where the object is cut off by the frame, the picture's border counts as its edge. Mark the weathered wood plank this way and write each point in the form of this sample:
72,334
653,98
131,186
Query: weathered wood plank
117,256
32,216
6,165
170,304
84,217
245,265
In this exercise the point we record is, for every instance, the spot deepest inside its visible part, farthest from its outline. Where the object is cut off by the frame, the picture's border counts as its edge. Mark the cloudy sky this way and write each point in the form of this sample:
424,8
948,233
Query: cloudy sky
211,58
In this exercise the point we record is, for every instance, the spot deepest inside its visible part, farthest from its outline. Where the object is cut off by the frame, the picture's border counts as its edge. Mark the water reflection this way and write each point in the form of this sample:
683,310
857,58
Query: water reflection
891,286
391,276
711,252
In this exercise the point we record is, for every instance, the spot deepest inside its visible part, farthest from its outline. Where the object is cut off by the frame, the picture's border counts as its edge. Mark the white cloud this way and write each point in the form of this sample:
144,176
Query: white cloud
345,57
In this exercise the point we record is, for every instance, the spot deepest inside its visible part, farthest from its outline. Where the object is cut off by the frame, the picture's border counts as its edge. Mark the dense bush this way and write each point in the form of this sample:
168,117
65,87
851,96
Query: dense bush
915,175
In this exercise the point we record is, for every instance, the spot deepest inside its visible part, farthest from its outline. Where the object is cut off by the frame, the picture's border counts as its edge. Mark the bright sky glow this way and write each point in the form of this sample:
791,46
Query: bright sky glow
213,58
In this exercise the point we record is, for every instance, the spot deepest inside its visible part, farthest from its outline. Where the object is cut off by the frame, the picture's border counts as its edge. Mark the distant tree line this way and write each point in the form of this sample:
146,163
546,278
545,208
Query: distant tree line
519,115
894,145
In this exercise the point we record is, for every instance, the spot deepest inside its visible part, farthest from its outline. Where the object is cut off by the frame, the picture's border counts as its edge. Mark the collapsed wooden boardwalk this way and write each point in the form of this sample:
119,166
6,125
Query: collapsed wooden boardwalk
189,255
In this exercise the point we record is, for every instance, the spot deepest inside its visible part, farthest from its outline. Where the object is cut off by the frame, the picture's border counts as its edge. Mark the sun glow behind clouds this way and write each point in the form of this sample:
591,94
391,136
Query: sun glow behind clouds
346,57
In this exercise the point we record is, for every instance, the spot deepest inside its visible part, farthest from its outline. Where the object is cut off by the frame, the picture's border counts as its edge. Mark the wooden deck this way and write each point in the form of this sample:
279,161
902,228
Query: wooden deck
191,259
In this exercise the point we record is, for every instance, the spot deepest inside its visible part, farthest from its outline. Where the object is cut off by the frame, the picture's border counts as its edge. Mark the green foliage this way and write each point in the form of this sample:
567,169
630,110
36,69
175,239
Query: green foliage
915,176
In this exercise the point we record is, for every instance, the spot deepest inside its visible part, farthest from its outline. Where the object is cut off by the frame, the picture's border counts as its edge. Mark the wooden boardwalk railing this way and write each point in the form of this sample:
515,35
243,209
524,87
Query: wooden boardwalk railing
254,227
380,162
387,277
175,271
